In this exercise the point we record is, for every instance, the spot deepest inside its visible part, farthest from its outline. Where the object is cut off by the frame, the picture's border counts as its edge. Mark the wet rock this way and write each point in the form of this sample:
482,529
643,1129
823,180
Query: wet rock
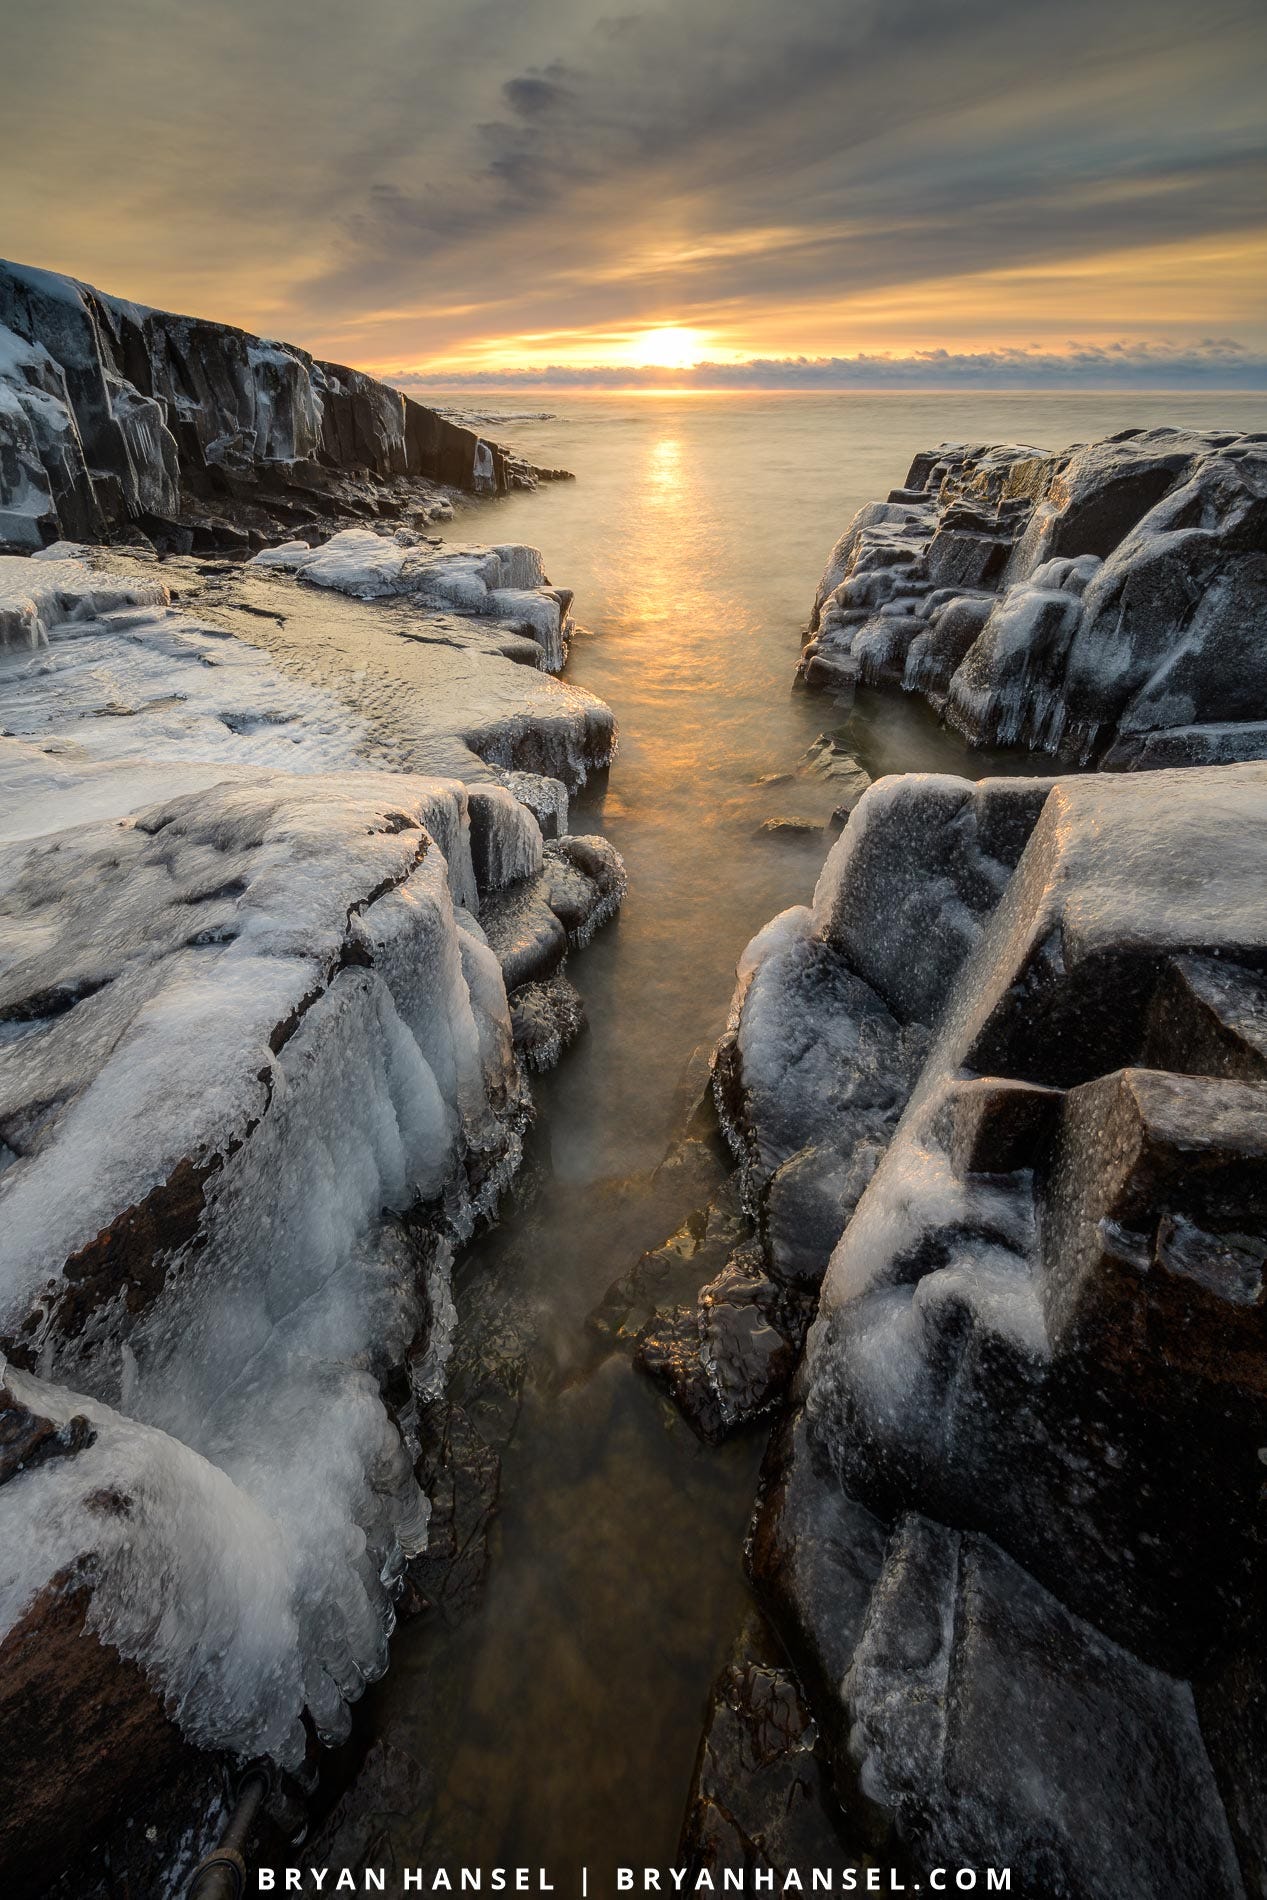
761,1796
788,828
726,1359
461,1475
668,1277
390,1786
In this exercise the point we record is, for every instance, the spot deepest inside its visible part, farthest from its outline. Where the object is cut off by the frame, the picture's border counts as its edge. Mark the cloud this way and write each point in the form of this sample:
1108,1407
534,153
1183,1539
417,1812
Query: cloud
1211,363
415,178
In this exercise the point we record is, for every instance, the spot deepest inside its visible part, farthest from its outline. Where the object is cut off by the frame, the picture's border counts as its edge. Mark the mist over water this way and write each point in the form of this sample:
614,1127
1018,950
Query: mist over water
560,1721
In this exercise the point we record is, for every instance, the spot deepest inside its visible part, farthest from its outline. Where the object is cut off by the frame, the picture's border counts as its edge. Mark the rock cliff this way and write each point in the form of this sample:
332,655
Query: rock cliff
118,419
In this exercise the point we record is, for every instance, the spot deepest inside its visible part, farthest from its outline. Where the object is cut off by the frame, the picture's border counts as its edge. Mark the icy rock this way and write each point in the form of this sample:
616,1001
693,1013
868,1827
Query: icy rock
545,798
37,596
260,1043
922,861
1001,1731
761,1796
505,583
532,923
1041,1325
1079,604
546,1018
111,413
810,1082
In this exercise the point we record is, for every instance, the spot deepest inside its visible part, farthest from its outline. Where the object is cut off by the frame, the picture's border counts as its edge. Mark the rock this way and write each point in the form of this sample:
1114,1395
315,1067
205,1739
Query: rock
1106,603
309,1088
545,1019
390,1786
27,1440
113,414
461,1475
1000,1731
1013,1534
69,1700
726,1359
788,828
761,1795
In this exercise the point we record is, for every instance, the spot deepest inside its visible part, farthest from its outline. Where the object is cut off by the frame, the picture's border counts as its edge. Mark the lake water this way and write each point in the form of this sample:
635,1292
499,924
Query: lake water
559,1721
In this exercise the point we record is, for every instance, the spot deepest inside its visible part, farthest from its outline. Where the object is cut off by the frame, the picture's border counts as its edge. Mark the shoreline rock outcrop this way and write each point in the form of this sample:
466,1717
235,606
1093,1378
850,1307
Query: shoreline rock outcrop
1107,604
119,419
261,1076
1011,1527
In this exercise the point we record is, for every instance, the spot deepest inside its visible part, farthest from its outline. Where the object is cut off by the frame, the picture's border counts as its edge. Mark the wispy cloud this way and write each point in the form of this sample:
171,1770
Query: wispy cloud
402,181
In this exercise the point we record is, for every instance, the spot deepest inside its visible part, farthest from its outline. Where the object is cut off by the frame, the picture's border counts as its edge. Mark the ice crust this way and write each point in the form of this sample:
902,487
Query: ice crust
1100,603
1012,1367
257,1081
506,582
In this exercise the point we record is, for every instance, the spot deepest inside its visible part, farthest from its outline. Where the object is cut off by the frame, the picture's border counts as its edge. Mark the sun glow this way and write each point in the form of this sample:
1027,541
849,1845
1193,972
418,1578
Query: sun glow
670,348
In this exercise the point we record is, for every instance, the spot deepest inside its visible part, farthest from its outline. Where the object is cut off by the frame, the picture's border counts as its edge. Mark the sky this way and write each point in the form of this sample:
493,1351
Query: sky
744,192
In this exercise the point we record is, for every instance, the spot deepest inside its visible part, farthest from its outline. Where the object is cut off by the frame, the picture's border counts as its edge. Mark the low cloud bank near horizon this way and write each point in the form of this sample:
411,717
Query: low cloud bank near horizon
1210,363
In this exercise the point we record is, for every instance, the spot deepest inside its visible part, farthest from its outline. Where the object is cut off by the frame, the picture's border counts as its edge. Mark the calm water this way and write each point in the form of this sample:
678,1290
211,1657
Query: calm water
559,1723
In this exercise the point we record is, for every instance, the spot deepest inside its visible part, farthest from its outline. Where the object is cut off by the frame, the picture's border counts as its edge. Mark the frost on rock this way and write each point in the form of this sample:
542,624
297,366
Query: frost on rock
258,1081
1106,603
249,1043
504,583
1014,1532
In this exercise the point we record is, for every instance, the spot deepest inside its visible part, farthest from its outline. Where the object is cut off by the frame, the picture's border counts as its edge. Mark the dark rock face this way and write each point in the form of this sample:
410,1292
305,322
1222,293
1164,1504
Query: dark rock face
1108,603
79,1711
1013,1534
114,417
761,1796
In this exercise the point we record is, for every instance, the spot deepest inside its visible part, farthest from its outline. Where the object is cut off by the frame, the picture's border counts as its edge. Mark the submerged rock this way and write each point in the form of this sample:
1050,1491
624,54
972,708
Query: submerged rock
1013,1534
761,1797
1108,603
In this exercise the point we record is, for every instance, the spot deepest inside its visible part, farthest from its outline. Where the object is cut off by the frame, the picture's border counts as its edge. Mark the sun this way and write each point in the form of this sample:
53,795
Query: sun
670,348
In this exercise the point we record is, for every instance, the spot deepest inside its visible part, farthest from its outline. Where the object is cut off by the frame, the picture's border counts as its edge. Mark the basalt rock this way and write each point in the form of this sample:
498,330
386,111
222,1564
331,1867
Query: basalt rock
114,417
75,1715
1107,603
761,1797
1013,1533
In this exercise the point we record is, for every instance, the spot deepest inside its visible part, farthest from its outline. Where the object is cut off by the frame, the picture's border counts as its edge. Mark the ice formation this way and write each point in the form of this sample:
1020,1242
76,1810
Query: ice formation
258,1078
505,582
1012,1529
1108,603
